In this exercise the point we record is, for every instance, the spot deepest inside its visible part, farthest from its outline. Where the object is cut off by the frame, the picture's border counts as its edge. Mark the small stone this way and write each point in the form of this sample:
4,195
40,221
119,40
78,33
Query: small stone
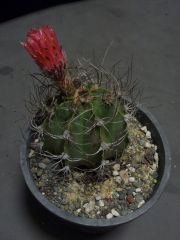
139,198
72,207
43,193
97,207
109,216
78,210
155,181
115,173
132,169
42,165
147,145
31,153
131,179
114,213
156,157
98,212
148,134
89,206
101,203
130,199
124,175
63,201
141,142
39,173
154,166
138,190
36,140
130,191
118,179
98,197
116,194
34,170
116,167
40,184
155,147
46,161
141,203
144,129
122,195
84,206
137,184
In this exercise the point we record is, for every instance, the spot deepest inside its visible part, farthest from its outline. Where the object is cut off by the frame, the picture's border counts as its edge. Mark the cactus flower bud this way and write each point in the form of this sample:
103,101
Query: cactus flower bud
43,46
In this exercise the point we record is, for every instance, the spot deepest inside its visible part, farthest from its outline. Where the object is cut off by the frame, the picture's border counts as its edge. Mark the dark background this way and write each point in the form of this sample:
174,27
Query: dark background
11,9
150,31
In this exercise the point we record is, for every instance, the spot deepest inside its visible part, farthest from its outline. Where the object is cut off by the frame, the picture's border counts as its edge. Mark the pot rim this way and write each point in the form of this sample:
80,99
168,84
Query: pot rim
100,223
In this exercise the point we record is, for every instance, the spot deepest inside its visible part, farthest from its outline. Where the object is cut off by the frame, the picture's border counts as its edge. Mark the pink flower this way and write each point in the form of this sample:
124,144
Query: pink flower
43,46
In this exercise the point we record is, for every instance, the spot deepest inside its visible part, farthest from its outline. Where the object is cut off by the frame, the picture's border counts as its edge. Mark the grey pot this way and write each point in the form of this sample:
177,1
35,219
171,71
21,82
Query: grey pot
102,225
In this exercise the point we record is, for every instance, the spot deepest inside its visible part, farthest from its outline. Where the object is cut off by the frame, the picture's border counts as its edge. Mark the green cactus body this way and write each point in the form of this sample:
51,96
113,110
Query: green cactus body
87,132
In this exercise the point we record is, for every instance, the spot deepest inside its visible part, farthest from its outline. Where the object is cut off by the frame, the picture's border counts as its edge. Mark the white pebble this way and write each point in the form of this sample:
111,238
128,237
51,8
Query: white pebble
36,140
131,179
101,203
116,167
78,210
31,153
89,206
114,213
84,206
138,190
98,197
141,203
98,212
115,173
154,166
118,179
109,216
148,134
132,169
147,145
155,147
144,129
156,157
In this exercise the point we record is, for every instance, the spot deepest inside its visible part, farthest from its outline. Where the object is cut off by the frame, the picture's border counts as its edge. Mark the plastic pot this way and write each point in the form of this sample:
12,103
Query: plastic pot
102,225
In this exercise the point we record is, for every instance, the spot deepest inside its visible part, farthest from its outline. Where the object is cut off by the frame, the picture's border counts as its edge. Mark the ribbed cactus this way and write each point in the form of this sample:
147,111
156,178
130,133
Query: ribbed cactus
87,126
86,132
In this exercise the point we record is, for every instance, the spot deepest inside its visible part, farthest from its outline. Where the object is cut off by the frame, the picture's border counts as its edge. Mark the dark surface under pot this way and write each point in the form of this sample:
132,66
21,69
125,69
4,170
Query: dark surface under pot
102,225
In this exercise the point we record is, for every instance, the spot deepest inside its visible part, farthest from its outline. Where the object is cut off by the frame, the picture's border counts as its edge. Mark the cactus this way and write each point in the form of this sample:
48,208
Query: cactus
86,133
87,126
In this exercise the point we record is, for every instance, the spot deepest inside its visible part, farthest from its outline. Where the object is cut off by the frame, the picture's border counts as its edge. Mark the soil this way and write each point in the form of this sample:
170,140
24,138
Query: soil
118,187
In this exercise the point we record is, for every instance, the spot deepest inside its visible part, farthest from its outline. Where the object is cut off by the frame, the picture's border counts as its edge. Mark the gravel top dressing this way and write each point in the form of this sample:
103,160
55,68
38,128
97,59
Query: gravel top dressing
117,188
